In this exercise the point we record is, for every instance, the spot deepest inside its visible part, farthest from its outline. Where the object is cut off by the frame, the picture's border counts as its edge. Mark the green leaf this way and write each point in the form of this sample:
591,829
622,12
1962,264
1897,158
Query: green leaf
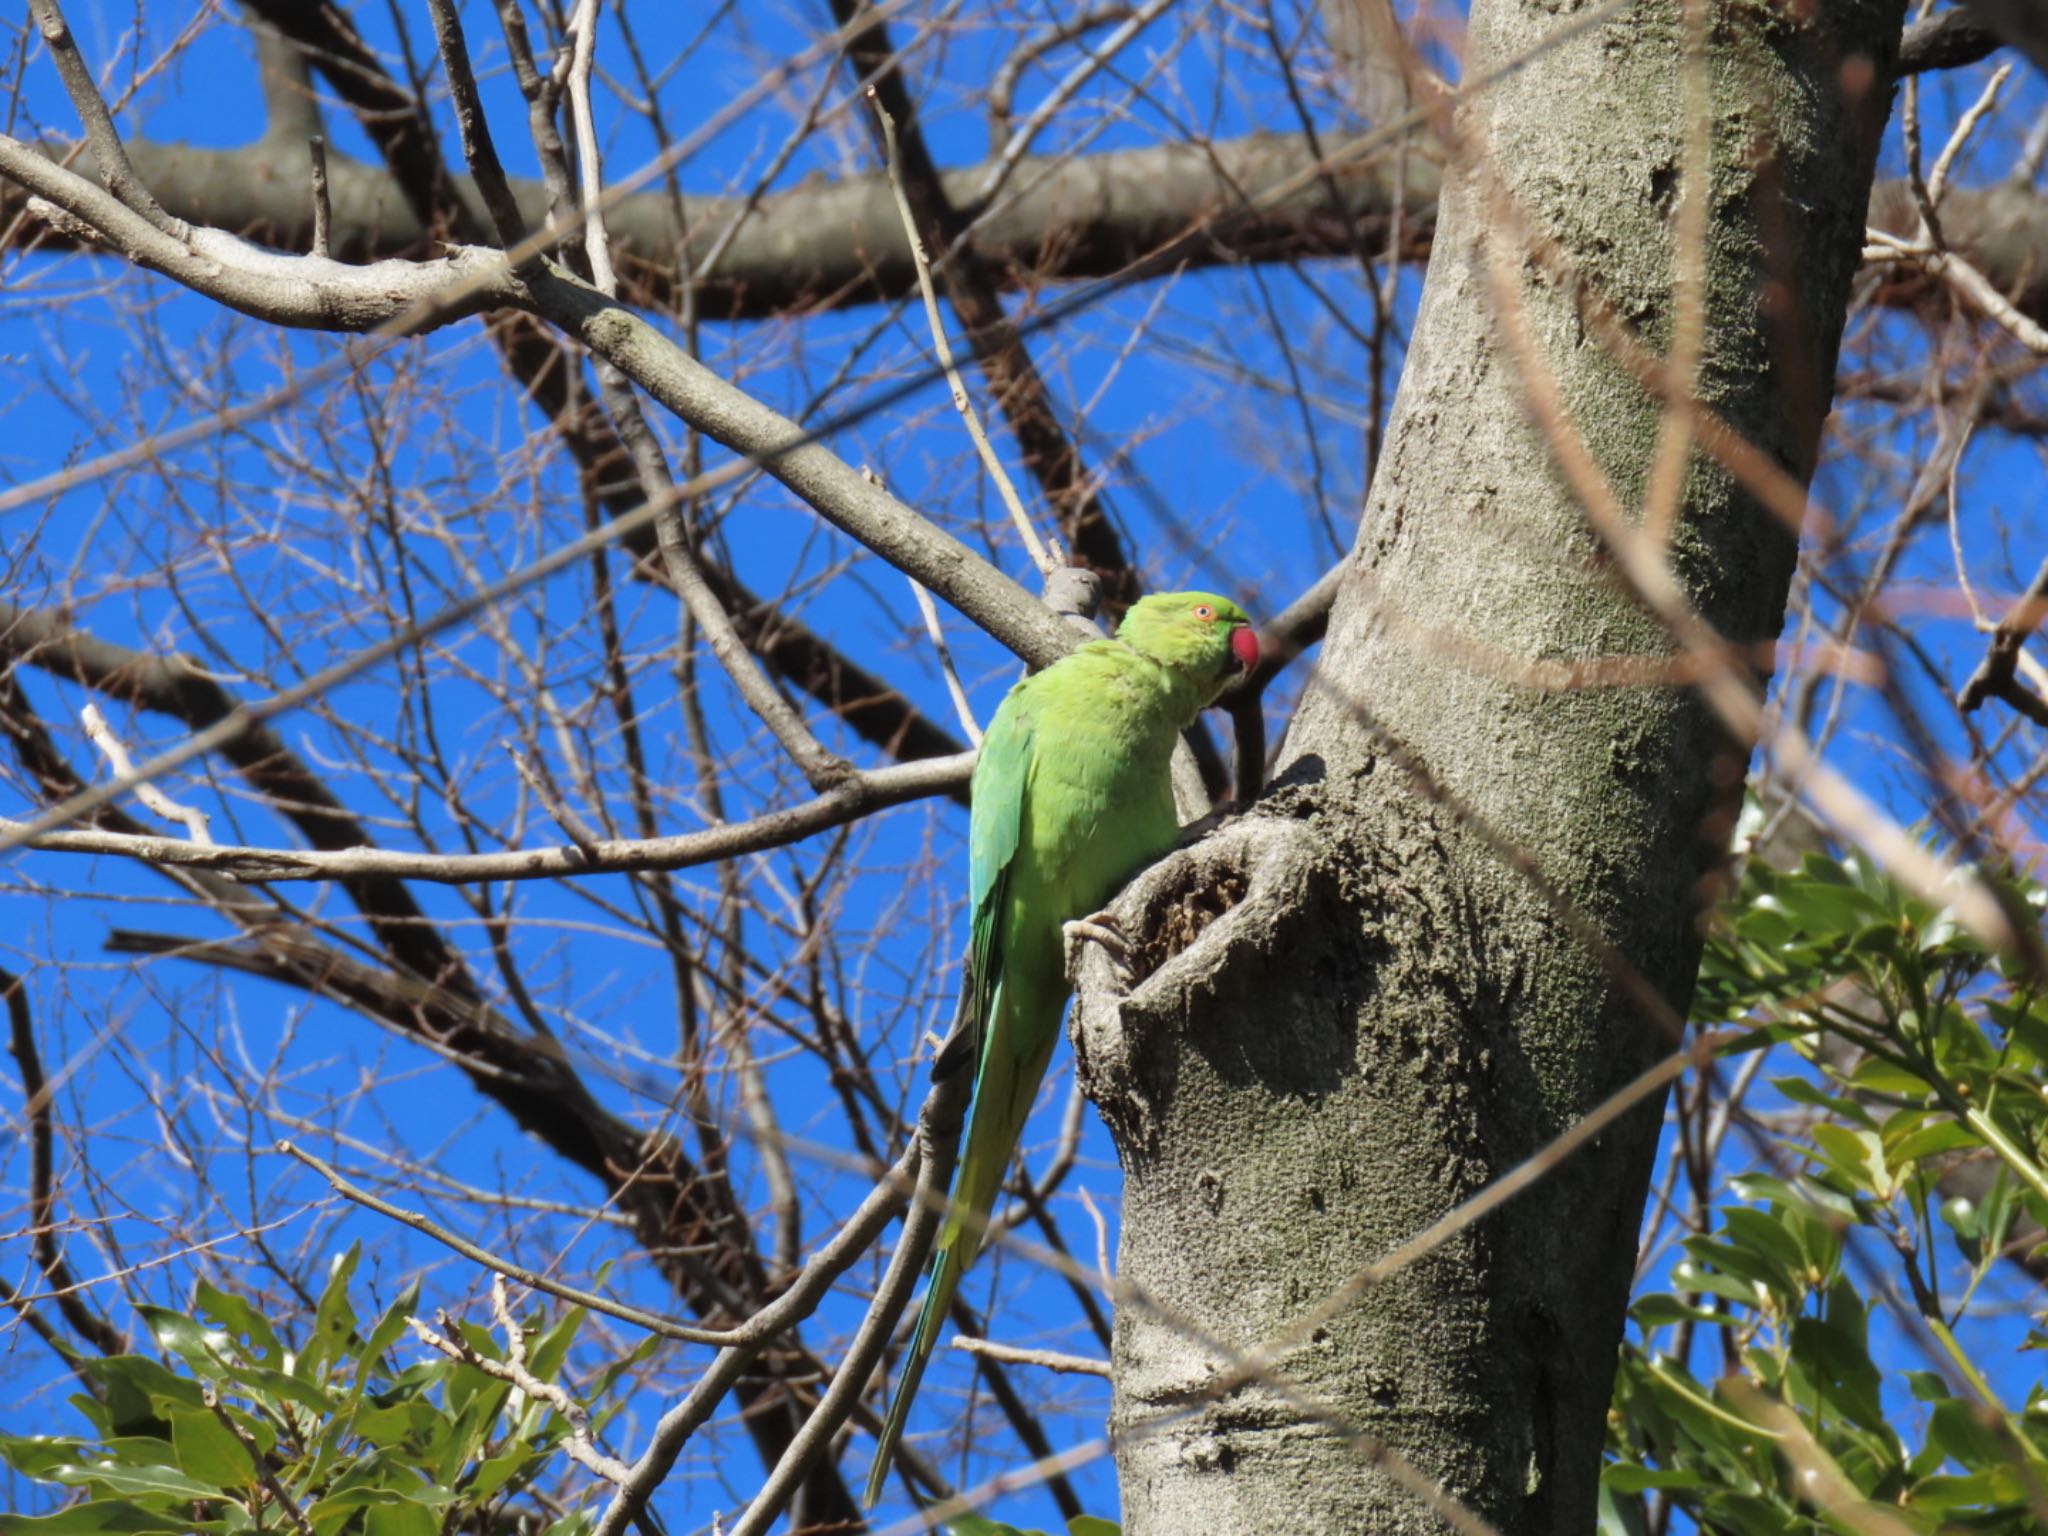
272,1387
176,1334
1620,1514
1764,1234
495,1472
1835,1360
1631,1477
1093,1525
981,1525
131,1387
1940,1136
1800,1091
207,1451
35,1455
334,1318
1657,1310
1688,1276
1962,1437
400,1520
361,1495
241,1320
548,1351
107,1473
1858,1156
1794,1193
389,1330
98,1517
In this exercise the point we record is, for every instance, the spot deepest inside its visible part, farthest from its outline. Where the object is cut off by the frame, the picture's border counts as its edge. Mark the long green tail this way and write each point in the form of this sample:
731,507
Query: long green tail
938,1296
992,1131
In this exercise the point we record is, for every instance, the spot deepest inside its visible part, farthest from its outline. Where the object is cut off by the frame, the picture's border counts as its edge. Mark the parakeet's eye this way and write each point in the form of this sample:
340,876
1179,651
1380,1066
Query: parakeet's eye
1204,611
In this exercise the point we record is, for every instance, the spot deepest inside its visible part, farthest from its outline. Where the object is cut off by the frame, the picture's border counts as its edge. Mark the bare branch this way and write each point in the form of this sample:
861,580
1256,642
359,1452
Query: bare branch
1995,673
837,490
477,145
49,1256
1948,39
1019,518
306,292
114,168
856,797
918,1182
102,735
323,208
455,1347
1045,1359
258,1462
654,1323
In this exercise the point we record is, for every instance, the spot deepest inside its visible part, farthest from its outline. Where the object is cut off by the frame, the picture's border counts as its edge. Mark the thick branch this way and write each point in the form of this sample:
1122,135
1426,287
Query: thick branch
305,292
841,243
1093,217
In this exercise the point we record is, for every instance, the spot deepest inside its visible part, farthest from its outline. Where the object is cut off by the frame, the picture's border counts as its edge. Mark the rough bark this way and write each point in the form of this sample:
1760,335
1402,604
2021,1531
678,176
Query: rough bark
1352,1010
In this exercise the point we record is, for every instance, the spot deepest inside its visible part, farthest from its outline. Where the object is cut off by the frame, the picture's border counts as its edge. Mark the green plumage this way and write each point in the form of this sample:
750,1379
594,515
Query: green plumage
1072,796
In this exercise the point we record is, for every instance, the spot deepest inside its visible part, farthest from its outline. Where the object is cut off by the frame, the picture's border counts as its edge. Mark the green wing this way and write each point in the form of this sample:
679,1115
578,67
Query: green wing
1002,776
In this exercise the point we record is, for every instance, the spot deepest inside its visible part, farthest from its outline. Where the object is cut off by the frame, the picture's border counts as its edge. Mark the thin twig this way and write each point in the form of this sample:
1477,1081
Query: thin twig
1002,89
194,820
1093,60
1937,179
961,707
899,1282
513,1369
653,1322
37,1091
116,172
1048,1359
477,146
574,72
961,403
280,1495
1994,674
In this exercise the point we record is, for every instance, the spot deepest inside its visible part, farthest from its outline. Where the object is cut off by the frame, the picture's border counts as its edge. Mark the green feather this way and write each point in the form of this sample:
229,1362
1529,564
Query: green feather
1072,795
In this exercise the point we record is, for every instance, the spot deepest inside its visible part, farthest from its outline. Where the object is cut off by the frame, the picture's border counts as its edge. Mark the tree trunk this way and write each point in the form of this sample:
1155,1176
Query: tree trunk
1372,996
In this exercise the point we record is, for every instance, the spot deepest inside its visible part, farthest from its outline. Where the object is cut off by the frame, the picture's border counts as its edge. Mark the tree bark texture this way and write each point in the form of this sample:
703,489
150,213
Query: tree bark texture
1351,1009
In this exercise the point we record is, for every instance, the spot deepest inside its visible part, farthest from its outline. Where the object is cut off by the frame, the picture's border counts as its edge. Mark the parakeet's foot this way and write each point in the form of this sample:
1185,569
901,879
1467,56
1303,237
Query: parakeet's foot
1103,929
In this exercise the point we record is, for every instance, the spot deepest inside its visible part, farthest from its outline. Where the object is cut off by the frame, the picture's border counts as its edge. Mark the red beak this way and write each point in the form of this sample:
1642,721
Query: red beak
1244,645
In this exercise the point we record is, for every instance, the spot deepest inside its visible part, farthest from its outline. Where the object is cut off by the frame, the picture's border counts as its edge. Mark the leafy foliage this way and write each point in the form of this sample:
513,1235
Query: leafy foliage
1920,1051
233,1421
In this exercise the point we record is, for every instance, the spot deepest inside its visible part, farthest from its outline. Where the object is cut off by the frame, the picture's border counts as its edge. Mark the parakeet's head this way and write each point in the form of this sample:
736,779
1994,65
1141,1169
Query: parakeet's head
1197,633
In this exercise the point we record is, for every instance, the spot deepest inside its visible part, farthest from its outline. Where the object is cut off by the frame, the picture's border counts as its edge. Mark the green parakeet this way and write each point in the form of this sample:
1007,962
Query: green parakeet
1072,795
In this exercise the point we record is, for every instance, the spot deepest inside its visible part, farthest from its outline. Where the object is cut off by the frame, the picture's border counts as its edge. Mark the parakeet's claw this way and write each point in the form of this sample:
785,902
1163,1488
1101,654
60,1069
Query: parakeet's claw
1102,929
